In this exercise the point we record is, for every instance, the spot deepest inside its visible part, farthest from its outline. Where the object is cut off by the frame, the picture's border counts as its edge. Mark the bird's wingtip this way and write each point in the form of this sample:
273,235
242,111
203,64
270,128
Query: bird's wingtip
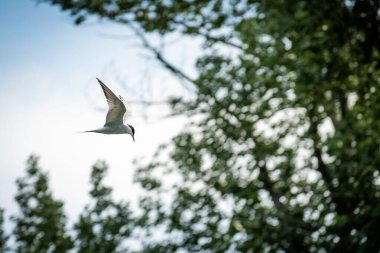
100,81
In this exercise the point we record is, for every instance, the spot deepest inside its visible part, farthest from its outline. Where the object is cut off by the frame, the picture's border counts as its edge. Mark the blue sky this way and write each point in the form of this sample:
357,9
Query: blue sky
39,41
48,92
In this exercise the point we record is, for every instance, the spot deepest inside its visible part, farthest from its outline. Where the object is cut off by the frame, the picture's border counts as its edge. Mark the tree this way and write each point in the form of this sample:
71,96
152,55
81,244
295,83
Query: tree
105,225
3,236
40,225
284,154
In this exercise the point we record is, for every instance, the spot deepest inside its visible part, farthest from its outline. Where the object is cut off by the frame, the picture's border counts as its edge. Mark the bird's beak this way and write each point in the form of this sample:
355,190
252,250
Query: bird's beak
133,137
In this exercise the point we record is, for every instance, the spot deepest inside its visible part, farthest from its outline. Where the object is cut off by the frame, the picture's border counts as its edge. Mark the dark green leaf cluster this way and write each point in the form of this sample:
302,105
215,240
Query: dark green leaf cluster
106,224
3,236
40,225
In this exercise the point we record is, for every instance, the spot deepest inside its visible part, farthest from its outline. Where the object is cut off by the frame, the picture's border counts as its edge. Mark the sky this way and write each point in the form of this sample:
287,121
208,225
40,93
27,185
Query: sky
48,92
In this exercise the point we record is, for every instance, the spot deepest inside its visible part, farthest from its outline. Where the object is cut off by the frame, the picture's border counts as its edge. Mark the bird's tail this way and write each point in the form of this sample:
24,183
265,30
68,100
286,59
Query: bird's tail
88,131
99,130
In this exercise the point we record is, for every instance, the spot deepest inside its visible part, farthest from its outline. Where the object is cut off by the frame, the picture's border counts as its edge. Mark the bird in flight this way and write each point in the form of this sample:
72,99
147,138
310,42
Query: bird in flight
115,115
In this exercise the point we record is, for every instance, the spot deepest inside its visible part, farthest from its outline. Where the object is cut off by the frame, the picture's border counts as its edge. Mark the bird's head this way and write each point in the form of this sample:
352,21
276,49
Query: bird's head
133,132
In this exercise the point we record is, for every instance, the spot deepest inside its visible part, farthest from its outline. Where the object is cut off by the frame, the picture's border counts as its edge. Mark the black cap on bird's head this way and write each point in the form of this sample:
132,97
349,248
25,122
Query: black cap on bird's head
133,132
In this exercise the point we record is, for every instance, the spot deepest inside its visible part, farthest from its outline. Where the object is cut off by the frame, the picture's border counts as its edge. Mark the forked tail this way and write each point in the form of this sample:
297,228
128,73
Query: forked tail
88,131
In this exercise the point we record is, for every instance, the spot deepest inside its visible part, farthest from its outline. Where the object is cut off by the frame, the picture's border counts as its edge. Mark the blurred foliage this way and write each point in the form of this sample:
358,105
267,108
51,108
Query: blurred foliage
3,236
283,154
104,225
40,224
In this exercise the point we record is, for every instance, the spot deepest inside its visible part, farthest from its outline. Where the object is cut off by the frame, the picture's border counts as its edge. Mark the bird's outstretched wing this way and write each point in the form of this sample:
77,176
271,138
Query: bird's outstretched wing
116,106
128,111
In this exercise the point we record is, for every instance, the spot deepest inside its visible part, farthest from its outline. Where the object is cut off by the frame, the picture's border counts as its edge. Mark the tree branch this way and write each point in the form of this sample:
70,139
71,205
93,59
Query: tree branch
158,55
268,185
282,210
208,36
321,167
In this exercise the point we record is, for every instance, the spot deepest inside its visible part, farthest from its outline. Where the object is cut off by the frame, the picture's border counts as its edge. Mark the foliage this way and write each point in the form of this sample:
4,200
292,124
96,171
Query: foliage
3,236
284,154
40,225
105,224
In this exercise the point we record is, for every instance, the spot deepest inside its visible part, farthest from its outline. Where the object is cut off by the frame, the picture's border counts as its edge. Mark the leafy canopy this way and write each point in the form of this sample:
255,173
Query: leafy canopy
284,155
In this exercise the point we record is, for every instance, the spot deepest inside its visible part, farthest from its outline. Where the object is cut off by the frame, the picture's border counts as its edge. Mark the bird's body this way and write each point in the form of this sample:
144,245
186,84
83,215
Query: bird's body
113,129
114,120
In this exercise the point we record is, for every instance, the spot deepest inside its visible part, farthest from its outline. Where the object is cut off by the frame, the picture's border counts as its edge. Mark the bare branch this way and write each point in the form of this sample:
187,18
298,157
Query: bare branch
209,37
158,54
145,103
149,103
